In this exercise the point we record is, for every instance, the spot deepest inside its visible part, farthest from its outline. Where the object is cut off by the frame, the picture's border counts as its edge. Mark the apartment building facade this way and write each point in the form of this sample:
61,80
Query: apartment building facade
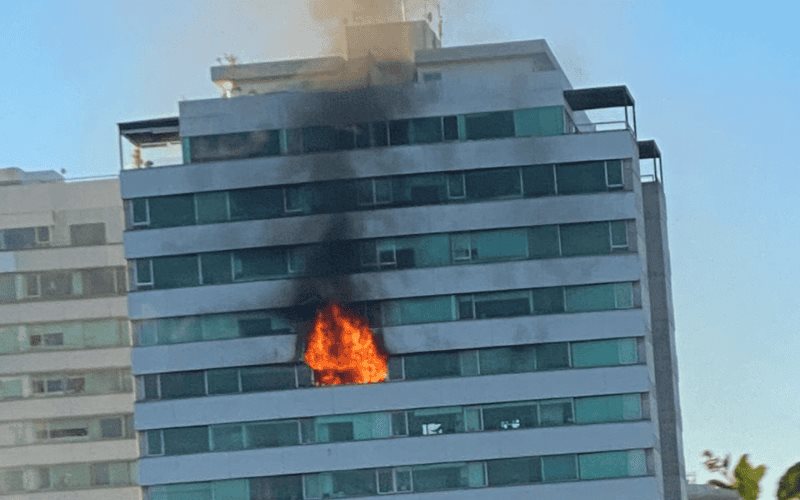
66,396
461,201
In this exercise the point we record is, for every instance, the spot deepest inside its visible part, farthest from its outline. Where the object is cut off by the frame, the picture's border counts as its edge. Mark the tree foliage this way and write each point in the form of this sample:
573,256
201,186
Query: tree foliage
789,485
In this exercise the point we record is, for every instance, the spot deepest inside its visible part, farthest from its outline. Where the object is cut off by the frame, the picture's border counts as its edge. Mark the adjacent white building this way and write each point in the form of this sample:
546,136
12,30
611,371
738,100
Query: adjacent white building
66,398
511,253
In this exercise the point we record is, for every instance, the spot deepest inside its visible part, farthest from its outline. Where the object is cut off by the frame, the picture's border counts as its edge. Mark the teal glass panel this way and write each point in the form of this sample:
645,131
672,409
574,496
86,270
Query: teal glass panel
585,239
499,245
422,251
182,385
555,412
515,359
432,365
186,440
267,378
9,339
212,207
170,211
604,353
258,203
502,304
548,300
543,242
233,146
619,234
177,330
514,471
10,388
223,381
434,421
450,125
600,409
577,178
539,180
227,437
155,445
399,132
232,489
443,477
140,211
317,139
426,130
510,416
623,295
271,434
489,125
590,298
492,184
175,272
539,121
418,310
614,172
419,189
559,468
552,356
603,465
196,491
259,263
216,268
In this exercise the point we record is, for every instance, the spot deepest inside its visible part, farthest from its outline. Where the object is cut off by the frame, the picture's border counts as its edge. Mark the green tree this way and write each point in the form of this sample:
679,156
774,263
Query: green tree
744,478
789,485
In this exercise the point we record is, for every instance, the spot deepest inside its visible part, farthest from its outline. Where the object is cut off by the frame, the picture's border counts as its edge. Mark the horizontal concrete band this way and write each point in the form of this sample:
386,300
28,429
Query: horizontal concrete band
396,160
429,337
338,400
65,360
66,453
63,310
382,223
398,452
62,258
65,407
120,493
388,284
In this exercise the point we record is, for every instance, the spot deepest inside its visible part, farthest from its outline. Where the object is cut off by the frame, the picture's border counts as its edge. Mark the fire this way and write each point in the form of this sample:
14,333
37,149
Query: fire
342,349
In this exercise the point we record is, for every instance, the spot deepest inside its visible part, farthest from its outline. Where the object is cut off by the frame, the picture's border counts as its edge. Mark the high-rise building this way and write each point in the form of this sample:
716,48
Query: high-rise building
66,395
507,249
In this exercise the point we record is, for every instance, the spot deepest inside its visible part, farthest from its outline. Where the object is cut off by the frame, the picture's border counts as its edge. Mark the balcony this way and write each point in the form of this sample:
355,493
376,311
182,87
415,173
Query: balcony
602,109
150,143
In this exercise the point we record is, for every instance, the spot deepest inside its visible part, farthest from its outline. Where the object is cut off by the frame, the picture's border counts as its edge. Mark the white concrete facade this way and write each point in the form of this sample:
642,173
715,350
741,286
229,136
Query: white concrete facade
66,398
473,80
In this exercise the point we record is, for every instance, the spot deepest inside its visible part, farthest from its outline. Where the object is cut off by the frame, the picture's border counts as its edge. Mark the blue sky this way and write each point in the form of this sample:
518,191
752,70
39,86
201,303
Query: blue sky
716,84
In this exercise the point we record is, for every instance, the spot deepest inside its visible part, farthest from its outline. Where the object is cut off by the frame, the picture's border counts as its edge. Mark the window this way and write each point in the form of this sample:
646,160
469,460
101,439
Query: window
259,263
448,476
605,353
456,188
613,464
216,268
227,437
510,416
318,139
614,175
297,199
111,428
182,385
500,304
555,413
175,271
514,471
552,356
539,121
399,132
427,130
585,239
559,468
539,180
548,300
169,211
380,134
417,310
433,76
450,126
516,359
223,381
619,236
258,203
155,442
267,378
436,421
489,125
600,409
232,146
33,285
185,440
599,297
577,178
492,184
212,207
47,340
432,365
397,480
143,269
8,288
371,192
140,212
87,234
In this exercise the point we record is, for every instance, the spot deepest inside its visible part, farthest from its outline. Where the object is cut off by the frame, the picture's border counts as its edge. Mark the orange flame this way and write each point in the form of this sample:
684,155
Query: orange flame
341,349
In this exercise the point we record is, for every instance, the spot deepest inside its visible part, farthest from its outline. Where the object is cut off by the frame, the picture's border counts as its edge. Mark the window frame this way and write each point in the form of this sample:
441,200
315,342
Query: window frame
132,220
609,185
146,285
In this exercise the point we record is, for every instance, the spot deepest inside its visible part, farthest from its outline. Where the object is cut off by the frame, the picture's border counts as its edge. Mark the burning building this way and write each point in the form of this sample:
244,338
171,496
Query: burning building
407,269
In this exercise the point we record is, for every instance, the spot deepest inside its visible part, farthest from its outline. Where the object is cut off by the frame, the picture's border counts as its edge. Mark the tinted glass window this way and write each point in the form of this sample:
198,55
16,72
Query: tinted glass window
517,359
539,180
182,385
514,471
490,125
498,183
432,365
177,271
168,211
261,203
88,234
581,178
559,468
212,207
185,440
585,239
427,130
